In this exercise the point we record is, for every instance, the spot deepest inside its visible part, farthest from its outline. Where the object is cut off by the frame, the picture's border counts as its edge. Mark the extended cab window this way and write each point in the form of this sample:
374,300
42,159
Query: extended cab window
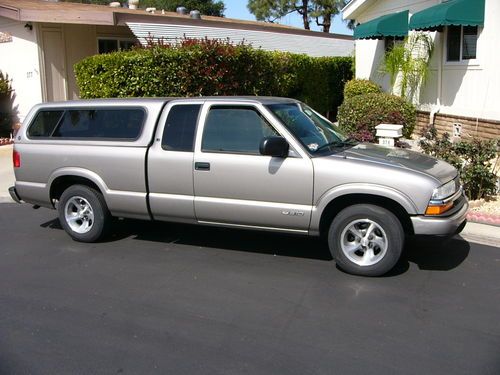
235,129
44,123
119,123
180,127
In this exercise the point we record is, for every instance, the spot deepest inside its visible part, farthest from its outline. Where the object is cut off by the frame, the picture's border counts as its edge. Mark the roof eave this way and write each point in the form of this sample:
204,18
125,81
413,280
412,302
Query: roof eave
351,11
51,16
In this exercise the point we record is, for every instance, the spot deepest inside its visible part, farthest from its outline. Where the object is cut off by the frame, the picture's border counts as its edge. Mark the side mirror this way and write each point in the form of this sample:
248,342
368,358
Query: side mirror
274,146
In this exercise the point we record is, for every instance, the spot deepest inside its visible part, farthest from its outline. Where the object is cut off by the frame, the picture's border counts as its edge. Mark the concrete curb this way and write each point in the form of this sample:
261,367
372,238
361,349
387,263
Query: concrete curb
482,233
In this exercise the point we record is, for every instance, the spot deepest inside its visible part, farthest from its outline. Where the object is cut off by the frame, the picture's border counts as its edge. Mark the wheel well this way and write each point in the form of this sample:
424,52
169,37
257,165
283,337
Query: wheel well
338,204
62,183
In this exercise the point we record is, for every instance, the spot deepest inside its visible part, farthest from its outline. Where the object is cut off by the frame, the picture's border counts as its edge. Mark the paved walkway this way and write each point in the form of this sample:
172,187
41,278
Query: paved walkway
6,173
473,232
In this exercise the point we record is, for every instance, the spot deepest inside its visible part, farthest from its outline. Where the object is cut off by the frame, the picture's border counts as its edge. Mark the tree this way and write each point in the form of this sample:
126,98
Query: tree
272,10
326,10
322,11
206,7
6,106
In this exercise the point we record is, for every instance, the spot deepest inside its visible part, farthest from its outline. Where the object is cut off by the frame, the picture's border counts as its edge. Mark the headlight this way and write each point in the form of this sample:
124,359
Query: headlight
438,205
444,191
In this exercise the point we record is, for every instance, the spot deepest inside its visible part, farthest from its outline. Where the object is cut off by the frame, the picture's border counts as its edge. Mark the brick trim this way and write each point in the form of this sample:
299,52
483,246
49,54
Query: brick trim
471,127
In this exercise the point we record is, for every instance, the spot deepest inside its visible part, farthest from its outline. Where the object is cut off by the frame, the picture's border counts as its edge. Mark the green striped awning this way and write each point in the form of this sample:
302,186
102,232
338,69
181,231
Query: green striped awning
450,13
395,24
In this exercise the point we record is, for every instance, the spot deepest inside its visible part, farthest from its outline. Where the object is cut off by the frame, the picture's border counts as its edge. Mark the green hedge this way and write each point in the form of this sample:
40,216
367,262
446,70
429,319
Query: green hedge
194,68
361,113
359,87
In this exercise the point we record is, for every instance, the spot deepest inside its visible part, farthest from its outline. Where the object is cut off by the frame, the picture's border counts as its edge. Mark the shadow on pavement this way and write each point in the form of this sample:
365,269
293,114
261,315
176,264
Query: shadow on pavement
428,253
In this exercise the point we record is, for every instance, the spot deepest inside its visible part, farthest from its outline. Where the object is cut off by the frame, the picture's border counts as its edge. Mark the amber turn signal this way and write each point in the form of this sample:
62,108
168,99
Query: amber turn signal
438,209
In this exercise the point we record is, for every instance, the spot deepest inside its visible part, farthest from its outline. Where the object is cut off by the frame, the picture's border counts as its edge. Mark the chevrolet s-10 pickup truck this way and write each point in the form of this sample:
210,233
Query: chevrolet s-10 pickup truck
260,163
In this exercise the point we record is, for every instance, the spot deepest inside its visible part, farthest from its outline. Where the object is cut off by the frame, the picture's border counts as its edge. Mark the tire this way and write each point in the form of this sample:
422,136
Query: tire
366,240
83,213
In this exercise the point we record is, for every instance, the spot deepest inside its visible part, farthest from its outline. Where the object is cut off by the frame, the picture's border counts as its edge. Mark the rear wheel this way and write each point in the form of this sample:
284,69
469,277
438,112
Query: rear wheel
366,240
83,213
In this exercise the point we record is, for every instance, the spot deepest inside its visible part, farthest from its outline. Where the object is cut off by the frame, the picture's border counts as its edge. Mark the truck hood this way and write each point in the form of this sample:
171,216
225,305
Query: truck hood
398,157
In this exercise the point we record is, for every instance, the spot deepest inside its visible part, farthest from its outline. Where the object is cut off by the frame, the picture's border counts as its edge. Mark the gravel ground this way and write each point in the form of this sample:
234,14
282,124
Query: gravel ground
490,206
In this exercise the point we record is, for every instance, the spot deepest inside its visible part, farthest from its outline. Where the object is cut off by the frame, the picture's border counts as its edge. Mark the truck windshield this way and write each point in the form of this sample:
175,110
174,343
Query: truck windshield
314,131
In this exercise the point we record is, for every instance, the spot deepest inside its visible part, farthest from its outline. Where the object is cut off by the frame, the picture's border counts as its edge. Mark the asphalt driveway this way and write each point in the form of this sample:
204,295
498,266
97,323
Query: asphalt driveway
178,299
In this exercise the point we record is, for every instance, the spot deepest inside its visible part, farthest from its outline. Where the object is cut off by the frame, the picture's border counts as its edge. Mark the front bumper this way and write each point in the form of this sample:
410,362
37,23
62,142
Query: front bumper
441,226
14,195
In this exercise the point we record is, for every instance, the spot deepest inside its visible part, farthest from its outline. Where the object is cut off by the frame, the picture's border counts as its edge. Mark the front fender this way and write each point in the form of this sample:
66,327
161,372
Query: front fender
358,188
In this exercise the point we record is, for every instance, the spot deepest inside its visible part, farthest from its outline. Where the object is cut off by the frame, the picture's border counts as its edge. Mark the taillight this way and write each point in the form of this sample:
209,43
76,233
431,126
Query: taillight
16,159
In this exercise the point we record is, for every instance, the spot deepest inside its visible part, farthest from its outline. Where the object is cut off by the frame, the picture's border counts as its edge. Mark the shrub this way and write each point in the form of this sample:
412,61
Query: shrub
362,113
473,158
214,67
6,117
359,87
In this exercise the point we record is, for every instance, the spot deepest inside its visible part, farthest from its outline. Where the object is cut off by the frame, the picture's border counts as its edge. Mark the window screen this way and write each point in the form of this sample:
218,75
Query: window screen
235,129
44,123
469,44
122,123
462,43
178,134
453,43
108,45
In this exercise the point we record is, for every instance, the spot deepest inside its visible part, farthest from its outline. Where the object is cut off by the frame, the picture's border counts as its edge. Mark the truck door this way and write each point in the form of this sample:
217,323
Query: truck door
170,163
234,184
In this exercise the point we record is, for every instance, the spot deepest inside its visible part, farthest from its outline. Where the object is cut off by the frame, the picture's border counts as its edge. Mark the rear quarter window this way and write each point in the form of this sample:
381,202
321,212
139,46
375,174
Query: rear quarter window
114,123
44,123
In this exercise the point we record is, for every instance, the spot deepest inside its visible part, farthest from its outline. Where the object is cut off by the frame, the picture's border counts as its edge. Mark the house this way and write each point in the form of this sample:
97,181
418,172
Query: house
462,95
40,41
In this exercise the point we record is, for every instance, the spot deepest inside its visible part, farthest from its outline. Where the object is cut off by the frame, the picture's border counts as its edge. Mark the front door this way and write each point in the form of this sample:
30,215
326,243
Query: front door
234,184
54,64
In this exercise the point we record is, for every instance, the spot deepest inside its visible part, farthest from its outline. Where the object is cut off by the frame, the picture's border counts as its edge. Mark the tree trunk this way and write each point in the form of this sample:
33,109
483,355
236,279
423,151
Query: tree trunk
305,14
327,23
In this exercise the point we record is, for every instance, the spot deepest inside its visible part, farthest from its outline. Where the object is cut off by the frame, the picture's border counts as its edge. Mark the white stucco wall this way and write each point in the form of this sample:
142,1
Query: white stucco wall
466,89
19,59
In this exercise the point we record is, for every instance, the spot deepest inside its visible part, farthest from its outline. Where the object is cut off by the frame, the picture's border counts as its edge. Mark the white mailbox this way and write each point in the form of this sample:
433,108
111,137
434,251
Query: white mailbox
387,133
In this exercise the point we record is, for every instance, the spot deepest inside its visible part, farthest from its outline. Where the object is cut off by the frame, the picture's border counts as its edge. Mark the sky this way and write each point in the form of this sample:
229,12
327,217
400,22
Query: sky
238,9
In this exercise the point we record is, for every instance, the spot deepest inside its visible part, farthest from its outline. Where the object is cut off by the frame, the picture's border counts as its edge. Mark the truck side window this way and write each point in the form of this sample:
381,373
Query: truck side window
114,123
44,123
180,127
235,129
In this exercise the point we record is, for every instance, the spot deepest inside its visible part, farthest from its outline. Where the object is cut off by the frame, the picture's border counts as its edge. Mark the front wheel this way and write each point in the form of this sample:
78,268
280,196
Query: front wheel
83,213
366,240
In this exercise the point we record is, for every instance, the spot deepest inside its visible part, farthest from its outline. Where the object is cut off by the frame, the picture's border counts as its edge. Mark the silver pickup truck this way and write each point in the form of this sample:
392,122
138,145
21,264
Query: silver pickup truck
247,162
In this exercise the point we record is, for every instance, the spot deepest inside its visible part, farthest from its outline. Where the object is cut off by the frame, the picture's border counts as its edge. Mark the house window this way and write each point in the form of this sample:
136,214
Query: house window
108,45
390,42
461,43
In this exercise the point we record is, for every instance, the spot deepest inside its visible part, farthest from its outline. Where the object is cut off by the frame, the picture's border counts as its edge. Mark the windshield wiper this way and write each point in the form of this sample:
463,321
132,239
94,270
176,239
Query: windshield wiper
348,142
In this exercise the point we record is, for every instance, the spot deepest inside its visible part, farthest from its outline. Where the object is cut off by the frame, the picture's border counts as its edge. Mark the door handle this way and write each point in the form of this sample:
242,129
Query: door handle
201,166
